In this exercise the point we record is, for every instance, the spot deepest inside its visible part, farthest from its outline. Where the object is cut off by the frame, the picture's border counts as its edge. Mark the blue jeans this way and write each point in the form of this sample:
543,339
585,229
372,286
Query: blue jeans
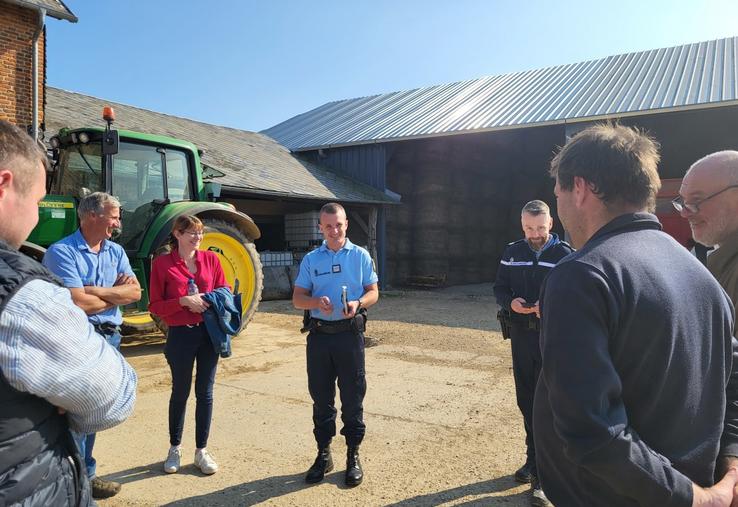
85,443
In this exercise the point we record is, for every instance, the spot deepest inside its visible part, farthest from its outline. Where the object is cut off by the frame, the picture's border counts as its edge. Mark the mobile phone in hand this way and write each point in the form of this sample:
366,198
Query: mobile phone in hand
527,305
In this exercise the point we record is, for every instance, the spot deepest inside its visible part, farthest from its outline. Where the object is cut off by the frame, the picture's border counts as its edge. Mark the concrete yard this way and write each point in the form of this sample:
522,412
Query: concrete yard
442,425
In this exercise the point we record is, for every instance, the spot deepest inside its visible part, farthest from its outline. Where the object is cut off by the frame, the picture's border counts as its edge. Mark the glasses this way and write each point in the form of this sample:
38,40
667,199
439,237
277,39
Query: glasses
680,205
194,234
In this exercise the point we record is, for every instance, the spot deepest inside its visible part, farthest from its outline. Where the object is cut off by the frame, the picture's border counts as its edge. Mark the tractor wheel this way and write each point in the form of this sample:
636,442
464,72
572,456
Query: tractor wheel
240,262
137,323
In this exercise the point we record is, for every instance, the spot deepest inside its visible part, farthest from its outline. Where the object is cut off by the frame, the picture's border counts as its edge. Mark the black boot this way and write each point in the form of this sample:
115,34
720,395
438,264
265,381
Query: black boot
322,465
354,475
524,474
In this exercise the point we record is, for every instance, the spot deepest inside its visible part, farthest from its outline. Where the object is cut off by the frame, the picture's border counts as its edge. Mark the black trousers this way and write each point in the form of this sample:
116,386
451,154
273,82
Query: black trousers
332,357
526,359
185,346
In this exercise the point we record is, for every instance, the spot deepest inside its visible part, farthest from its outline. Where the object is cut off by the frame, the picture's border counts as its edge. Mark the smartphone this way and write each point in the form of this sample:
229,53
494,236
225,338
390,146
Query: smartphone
344,298
527,305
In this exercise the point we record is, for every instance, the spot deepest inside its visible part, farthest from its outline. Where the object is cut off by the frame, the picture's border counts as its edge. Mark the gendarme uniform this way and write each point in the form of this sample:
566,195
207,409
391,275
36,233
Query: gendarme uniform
520,274
335,350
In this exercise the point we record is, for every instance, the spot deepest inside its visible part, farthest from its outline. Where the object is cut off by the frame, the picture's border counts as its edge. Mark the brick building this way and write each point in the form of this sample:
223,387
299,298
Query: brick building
23,42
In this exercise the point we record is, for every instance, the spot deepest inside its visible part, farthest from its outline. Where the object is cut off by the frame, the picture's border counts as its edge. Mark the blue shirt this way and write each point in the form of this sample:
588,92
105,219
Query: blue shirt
72,260
323,272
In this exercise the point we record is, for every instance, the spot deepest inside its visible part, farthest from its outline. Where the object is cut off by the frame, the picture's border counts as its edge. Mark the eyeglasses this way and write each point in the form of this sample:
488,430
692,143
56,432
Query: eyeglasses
194,234
680,205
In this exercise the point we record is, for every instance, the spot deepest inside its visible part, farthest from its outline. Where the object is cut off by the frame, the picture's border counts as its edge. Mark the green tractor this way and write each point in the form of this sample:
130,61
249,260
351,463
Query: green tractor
156,179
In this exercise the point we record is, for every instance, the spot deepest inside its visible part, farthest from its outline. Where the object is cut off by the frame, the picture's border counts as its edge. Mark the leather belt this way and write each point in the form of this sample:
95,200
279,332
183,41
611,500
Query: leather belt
106,328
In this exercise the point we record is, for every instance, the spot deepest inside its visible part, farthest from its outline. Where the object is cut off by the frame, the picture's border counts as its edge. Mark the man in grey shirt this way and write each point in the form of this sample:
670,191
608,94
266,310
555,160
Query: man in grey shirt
56,373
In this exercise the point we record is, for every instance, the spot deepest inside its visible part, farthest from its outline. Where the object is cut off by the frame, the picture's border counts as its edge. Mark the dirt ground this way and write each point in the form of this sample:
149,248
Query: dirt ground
442,425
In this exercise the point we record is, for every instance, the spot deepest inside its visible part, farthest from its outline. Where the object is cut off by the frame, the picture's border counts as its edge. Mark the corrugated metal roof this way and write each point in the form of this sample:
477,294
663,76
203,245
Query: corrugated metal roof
54,8
251,162
693,75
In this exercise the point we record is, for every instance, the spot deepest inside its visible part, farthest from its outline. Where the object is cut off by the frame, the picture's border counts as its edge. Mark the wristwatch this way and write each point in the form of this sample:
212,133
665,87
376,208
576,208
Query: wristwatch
358,301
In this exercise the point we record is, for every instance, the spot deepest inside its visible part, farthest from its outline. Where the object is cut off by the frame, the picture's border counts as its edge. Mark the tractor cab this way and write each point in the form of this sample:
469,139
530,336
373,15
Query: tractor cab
142,173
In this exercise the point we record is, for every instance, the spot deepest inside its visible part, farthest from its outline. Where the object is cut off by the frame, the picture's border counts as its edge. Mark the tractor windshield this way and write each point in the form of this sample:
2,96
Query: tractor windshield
138,175
138,180
81,169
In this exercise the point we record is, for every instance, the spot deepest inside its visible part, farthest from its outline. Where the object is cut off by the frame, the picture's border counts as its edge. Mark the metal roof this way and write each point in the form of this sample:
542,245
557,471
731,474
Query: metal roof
252,163
696,75
54,8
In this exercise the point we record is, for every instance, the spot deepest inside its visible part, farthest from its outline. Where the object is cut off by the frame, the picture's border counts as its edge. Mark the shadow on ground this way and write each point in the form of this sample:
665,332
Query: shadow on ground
149,471
142,344
250,493
256,492
482,489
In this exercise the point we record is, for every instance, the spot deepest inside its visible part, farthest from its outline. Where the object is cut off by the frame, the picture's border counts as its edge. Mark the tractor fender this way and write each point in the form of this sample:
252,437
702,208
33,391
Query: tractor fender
220,211
240,220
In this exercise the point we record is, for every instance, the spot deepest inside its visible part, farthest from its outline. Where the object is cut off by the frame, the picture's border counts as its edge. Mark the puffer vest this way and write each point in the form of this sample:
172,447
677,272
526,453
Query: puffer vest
39,461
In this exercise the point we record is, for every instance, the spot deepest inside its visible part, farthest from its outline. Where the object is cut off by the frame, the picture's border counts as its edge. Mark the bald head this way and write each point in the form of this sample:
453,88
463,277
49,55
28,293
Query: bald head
712,184
721,166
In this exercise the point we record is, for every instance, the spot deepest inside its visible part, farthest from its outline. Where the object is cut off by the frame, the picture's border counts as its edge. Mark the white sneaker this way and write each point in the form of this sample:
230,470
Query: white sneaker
171,465
204,461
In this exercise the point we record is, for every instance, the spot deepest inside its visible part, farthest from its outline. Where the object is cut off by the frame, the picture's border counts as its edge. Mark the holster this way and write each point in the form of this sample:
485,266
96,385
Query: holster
358,323
503,315
306,322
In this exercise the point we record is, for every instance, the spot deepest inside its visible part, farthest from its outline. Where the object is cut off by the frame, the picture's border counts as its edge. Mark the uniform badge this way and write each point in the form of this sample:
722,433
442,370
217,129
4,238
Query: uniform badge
336,268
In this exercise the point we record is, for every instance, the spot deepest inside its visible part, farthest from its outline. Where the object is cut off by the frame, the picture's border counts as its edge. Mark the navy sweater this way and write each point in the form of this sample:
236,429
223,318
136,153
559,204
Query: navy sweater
637,345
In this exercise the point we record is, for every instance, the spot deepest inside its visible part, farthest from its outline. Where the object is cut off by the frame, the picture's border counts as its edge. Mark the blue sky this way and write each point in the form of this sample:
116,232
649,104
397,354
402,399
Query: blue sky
251,64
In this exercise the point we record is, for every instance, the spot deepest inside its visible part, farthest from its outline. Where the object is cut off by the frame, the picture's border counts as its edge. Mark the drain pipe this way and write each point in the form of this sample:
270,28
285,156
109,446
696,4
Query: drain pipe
34,86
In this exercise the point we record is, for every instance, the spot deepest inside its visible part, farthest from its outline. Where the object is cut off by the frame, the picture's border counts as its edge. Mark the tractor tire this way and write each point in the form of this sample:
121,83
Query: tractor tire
240,262
138,323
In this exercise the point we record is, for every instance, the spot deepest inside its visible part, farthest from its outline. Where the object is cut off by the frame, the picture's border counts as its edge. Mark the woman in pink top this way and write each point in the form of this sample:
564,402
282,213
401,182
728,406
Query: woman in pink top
178,280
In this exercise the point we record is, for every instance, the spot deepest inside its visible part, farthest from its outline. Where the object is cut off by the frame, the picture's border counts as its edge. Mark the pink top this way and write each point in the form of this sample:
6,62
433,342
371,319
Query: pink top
169,277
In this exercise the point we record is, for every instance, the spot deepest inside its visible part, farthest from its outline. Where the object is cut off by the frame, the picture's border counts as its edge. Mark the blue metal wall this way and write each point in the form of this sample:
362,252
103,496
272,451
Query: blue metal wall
362,163
367,164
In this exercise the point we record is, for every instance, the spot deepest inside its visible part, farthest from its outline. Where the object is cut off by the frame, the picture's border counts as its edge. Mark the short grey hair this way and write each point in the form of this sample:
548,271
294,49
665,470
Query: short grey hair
536,208
95,203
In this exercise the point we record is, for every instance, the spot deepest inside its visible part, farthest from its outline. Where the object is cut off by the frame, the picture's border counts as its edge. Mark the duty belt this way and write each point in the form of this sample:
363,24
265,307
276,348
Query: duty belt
330,326
357,324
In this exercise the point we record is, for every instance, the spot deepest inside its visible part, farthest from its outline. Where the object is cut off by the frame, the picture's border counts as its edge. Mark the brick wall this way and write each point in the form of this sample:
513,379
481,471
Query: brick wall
17,26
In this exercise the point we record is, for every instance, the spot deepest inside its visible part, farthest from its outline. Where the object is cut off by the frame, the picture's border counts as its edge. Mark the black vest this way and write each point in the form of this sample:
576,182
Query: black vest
39,461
